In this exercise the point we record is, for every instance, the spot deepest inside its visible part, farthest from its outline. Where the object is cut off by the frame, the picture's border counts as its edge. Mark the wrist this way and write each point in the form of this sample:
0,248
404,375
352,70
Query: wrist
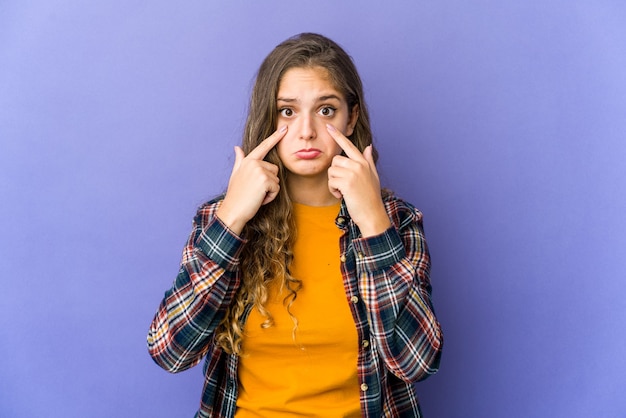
228,218
374,225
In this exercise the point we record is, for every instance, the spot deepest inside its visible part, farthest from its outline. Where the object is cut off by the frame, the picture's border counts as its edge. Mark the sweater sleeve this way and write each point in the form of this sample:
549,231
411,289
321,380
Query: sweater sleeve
393,270
183,327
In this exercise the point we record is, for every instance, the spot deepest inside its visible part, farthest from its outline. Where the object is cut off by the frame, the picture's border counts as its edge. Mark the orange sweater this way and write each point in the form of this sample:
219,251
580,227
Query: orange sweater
314,374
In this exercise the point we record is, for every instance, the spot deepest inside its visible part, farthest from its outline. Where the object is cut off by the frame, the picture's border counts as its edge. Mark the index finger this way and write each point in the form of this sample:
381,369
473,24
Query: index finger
267,144
346,145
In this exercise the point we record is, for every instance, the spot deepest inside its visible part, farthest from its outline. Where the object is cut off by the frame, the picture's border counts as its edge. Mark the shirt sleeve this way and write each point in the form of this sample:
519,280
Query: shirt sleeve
393,271
182,329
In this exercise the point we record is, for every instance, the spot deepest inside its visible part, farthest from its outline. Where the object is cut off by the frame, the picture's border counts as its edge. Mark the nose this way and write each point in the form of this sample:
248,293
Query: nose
307,128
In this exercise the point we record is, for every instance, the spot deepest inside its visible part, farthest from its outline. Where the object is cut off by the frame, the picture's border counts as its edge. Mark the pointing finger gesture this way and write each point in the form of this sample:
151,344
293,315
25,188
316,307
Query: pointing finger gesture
253,183
354,178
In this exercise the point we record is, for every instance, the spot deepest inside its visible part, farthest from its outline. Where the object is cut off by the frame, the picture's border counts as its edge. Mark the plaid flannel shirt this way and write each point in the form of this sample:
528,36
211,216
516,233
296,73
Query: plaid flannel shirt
386,278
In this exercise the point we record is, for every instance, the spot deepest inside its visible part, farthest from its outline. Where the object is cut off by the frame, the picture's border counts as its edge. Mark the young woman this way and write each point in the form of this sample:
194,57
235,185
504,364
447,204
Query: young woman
305,286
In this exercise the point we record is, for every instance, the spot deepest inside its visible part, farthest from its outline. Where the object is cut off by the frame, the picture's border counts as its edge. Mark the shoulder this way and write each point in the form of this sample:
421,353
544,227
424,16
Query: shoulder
401,212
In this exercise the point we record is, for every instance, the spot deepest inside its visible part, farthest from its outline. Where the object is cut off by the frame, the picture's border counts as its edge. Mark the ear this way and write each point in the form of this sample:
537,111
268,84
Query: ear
354,116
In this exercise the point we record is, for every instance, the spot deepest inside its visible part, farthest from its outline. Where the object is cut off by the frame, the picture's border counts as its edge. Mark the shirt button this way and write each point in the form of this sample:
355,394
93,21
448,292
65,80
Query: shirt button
365,343
354,299
341,220
359,254
364,387
343,258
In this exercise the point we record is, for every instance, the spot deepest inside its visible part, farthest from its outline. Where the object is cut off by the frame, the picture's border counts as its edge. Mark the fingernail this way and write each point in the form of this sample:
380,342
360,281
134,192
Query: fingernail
330,127
282,129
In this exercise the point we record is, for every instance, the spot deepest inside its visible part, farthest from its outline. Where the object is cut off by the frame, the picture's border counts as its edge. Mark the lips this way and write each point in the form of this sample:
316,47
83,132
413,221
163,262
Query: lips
308,154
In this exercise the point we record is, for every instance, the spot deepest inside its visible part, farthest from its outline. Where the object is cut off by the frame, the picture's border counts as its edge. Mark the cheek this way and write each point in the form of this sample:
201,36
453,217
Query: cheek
280,149
333,148
285,147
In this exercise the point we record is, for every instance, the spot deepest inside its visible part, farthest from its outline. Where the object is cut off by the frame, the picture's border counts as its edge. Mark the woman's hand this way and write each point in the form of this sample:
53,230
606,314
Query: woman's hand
354,177
253,183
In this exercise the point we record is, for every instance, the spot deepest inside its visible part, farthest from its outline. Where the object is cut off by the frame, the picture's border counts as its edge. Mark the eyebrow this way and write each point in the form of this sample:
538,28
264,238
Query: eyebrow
319,99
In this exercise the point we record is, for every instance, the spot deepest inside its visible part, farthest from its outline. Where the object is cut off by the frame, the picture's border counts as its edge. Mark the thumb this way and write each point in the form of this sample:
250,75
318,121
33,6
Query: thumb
239,156
367,154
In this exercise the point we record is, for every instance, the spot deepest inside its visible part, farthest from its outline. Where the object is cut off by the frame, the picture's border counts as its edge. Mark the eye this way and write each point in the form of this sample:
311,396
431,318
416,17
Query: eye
327,111
285,112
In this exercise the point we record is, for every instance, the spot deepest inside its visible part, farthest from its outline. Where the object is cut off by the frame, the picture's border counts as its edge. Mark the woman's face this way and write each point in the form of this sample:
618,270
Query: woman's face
307,101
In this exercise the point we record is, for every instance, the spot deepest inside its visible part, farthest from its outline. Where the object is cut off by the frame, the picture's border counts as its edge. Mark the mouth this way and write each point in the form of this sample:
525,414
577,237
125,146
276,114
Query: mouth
308,154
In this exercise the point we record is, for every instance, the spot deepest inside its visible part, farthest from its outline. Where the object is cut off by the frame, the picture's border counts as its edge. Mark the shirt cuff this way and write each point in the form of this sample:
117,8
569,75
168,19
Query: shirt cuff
220,244
379,251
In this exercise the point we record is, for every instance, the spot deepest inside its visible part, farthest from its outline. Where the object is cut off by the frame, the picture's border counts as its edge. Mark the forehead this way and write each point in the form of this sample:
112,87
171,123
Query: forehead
300,80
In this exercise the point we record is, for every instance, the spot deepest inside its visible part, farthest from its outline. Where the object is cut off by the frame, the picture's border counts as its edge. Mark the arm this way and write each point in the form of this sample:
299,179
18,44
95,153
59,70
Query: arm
209,276
393,273
191,309
392,265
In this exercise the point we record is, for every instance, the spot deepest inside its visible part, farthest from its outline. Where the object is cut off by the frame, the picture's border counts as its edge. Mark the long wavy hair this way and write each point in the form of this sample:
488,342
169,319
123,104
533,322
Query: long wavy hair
271,233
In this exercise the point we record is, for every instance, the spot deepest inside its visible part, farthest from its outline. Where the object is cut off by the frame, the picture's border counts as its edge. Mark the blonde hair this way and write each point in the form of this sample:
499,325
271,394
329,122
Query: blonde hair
270,234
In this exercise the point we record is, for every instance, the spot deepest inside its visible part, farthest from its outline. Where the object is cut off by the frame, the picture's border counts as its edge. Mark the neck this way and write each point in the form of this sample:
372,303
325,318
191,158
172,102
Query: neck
310,191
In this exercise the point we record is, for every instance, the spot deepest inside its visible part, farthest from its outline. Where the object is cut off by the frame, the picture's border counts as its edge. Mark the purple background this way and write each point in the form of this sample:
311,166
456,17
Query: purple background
505,122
